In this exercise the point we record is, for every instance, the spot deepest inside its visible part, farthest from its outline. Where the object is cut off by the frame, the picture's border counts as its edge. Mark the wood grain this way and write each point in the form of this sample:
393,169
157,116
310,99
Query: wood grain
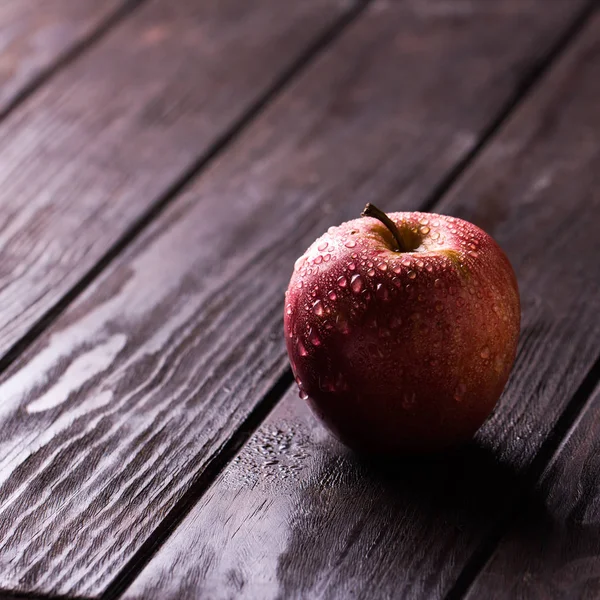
89,154
36,34
297,516
553,549
111,415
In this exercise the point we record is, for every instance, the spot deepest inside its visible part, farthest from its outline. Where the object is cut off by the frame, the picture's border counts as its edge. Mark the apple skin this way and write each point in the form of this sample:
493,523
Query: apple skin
402,352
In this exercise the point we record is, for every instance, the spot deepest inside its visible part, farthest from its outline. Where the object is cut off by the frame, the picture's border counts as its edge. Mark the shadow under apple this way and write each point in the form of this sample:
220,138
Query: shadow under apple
394,529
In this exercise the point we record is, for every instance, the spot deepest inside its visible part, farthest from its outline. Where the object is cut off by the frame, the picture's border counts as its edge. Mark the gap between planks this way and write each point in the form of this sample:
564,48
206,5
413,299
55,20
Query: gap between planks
569,416
549,448
297,66
126,9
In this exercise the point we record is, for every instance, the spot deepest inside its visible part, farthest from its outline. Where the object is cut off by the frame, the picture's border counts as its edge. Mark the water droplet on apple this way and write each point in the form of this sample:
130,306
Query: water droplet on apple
472,253
420,263
318,260
342,324
424,221
303,395
356,283
326,384
318,308
382,266
327,257
371,272
460,392
424,230
397,269
352,266
382,292
406,262
302,351
411,274
342,281
485,353
313,336
435,235
322,246
332,295
350,244
429,268
288,310
340,382
301,284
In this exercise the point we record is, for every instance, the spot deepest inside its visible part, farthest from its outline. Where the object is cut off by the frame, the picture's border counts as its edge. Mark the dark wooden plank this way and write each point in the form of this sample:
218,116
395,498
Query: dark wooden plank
111,415
297,516
97,147
36,34
553,548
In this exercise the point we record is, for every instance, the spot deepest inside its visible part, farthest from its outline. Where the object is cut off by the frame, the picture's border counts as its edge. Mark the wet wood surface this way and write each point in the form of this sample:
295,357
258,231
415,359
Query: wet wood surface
553,548
36,36
299,516
100,148
164,347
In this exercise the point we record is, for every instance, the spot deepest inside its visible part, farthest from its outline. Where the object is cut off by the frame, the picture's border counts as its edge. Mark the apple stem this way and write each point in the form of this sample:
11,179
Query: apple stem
372,211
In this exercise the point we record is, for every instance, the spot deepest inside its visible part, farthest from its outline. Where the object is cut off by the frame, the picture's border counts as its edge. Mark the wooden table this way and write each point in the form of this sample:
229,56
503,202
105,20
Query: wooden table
162,164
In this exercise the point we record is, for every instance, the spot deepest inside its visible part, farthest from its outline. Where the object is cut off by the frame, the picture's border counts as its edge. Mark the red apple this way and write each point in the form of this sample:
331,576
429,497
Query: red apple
402,329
